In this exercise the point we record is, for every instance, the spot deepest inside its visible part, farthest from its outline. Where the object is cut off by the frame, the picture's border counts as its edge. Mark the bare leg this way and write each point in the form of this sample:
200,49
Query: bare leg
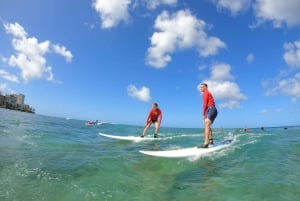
207,130
146,128
156,124
211,141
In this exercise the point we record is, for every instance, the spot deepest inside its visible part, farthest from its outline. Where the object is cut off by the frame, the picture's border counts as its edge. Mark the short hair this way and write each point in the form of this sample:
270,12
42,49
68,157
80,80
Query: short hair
156,105
203,83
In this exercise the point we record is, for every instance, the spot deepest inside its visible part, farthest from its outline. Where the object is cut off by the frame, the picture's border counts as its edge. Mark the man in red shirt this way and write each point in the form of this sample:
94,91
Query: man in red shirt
154,117
209,114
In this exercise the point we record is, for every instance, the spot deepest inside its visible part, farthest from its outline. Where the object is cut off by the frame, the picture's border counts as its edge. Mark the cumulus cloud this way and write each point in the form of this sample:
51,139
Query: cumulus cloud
142,94
5,90
288,81
286,85
62,50
179,31
3,87
222,86
279,12
30,54
8,76
290,86
233,6
155,3
112,12
292,54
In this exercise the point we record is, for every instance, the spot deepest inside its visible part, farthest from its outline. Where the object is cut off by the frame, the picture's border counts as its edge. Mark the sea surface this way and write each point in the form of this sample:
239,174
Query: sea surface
56,159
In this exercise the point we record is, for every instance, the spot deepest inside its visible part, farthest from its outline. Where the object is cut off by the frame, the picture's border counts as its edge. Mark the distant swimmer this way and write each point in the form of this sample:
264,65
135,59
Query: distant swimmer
247,129
154,117
90,123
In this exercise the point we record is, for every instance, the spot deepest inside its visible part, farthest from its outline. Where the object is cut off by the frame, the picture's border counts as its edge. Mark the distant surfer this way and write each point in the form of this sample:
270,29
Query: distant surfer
210,112
154,117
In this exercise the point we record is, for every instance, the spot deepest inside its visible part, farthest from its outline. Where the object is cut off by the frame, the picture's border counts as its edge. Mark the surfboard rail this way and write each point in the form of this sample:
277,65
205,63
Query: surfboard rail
128,137
187,152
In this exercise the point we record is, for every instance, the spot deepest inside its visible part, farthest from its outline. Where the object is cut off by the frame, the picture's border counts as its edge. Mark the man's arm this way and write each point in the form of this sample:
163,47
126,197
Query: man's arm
205,101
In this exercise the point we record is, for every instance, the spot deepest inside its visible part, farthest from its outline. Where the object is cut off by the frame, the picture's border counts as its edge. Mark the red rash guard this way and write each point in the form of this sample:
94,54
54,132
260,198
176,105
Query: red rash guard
208,100
154,114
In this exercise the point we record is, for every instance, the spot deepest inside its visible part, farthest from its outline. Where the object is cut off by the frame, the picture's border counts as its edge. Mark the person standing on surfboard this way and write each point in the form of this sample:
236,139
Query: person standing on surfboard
210,112
154,117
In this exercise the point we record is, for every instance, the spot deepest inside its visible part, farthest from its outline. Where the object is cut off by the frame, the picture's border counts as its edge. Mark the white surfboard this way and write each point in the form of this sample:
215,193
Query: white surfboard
129,138
188,152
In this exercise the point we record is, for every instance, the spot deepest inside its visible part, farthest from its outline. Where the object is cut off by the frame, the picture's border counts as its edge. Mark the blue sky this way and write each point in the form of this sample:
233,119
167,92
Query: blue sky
110,59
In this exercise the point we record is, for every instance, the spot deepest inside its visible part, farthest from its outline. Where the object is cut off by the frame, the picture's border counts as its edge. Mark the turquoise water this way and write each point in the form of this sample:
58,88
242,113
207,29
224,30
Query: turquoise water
54,159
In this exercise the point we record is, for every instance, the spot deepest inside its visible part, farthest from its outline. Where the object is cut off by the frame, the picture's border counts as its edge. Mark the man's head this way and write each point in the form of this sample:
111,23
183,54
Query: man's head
203,86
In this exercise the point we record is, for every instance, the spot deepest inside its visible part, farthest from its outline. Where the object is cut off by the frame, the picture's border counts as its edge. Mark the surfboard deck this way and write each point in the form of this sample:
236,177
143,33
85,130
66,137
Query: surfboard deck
128,138
188,152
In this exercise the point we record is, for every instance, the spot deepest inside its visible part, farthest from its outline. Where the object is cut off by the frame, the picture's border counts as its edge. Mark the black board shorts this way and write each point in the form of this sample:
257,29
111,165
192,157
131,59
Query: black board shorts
154,120
211,113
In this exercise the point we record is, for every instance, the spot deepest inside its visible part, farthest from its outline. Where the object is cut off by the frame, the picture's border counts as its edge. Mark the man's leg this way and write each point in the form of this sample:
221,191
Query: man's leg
207,124
210,138
146,128
156,124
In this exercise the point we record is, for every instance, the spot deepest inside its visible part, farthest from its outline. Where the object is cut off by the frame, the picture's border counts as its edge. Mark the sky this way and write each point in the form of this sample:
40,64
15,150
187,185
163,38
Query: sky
109,60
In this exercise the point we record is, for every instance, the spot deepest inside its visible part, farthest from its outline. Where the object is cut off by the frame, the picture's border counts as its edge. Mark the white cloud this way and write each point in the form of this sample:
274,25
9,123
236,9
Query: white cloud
7,76
223,87
286,82
5,90
3,86
179,31
250,58
142,94
269,111
279,12
292,54
221,72
266,111
62,50
233,6
289,86
112,12
30,54
16,30
155,3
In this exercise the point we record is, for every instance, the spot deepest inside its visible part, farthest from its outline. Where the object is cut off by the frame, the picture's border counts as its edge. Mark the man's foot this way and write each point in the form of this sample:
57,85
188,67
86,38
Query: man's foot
155,135
142,135
203,146
211,141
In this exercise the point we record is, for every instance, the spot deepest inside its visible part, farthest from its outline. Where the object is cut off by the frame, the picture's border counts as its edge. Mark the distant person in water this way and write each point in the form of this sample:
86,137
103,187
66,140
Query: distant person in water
210,113
154,117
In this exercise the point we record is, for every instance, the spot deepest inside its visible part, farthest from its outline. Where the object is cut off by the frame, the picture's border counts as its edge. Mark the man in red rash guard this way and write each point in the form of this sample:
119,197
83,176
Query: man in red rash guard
154,117
209,114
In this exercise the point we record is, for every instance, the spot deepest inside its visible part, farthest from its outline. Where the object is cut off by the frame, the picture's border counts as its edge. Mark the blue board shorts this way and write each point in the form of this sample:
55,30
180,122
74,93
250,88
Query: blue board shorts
211,113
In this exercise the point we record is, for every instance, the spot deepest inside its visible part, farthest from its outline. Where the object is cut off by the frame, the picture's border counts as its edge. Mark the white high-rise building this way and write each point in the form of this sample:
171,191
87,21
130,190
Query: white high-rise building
20,99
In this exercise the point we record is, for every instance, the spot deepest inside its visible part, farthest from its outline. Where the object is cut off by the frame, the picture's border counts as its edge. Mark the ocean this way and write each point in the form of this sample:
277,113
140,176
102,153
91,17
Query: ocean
46,158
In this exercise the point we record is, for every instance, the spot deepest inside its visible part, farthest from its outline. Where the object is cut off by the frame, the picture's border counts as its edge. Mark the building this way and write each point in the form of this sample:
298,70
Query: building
2,100
15,102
